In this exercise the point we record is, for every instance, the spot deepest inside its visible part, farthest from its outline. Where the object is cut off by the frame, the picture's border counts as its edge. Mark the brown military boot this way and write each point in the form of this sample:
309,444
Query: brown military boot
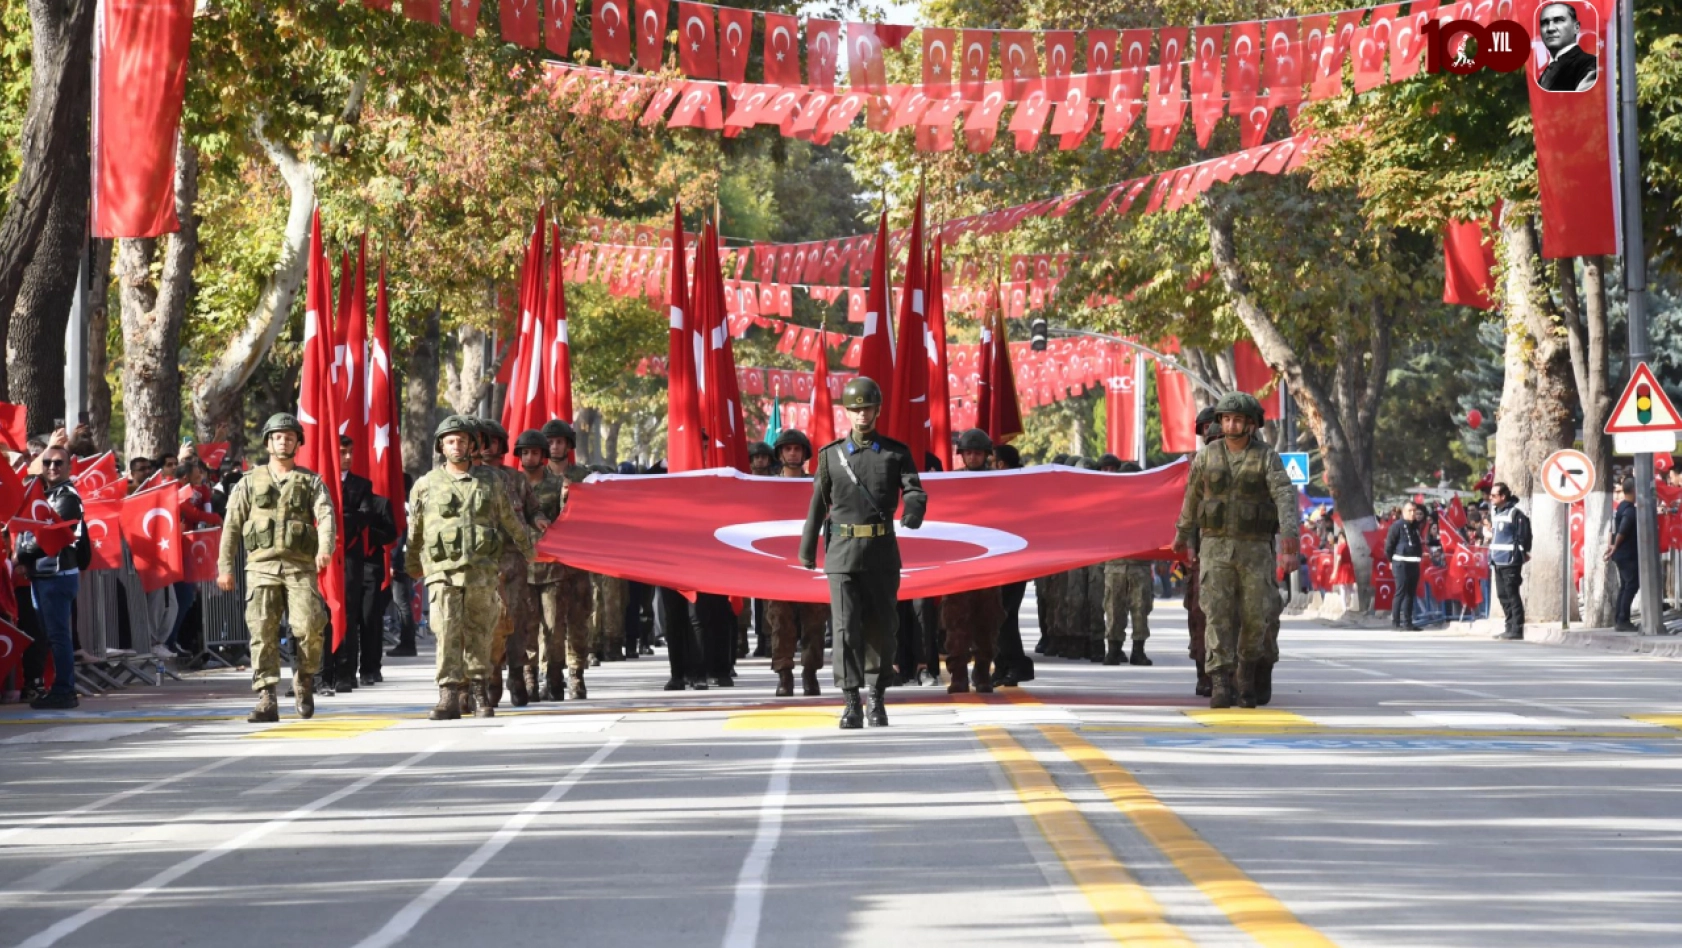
1204,685
267,710
465,694
554,686
785,683
1244,685
1220,694
493,688
983,677
482,706
809,682
960,677
448,707
1112,652
304,697
528,678
1264,683
575,687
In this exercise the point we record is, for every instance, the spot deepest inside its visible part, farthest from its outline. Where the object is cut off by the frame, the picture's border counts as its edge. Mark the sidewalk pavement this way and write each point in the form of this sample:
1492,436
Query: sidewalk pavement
1327,611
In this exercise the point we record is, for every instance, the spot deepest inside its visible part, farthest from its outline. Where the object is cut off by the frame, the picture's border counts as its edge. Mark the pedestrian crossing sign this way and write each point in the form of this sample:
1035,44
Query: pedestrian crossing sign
1296,465
1644,407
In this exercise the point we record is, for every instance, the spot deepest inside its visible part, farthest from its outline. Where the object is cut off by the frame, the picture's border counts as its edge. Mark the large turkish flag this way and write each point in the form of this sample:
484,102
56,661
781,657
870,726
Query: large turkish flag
721,531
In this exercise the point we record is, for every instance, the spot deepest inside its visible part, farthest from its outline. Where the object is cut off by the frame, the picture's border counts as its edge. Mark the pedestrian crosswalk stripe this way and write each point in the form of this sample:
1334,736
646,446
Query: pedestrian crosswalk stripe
782,719
326,728
1249,718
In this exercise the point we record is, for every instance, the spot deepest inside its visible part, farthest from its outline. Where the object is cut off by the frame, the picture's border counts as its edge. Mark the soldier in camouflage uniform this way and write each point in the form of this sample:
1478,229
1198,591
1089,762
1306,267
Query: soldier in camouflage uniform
519,621
972,617
1090,593
459,520
1238,500
284,517
1196,623
543,643
795,623
1128,592
573,595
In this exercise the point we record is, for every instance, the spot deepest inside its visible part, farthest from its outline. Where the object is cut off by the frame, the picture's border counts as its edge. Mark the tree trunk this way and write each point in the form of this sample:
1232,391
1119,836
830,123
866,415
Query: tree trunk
588,424
60,78
610,443
217,392
1585,318
1536,417
99,336
34,374
420,398
466,380
152,316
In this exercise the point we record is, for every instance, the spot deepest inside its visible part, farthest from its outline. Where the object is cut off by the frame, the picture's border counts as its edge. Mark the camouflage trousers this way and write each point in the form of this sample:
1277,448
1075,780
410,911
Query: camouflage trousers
972,621
518,625
1084,603
607,623
463,612
1196,622
796,622
562,636
1240,598
1128,593
292,594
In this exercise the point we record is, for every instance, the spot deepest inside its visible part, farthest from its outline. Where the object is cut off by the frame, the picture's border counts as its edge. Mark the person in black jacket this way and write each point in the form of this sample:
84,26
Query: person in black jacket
1569,68
54,579
369,528
1509,547
1404,547
1622,555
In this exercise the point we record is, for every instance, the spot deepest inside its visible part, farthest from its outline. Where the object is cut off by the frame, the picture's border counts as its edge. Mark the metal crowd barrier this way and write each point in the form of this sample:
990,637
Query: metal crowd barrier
226,640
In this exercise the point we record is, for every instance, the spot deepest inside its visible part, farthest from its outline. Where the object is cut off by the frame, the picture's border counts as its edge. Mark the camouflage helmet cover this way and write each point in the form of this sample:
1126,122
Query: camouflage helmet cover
1240,403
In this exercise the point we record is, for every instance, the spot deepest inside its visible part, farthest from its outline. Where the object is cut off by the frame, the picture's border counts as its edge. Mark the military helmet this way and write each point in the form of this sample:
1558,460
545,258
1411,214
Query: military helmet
454,424
975,440
1130,467
862,392
283,421
1240,403
1205,418
556,428
531,438
495,430
1109,460
756,448
1086,464
794,436
1061,459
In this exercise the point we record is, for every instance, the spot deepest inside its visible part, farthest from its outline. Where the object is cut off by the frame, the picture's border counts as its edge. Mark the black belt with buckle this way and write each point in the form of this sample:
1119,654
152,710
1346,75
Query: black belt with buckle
863,529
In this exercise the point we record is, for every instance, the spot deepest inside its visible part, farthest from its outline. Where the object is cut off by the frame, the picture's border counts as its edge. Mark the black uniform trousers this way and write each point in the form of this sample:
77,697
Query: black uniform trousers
864,611
1010,652
683,645
375,602
715,626
918,639
1629,583
1508,579
1407,583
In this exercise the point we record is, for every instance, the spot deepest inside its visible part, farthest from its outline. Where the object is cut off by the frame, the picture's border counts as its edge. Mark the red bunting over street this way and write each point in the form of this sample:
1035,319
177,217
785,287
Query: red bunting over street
728,533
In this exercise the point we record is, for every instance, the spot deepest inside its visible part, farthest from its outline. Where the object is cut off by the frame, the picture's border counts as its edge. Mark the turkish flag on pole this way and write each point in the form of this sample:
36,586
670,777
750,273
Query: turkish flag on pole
353,415
610,32
697,43
1179,411
651,34
105,523
154,535
683,399
203,548
317,412
558,383
823,405
50,536
876,356
1004,412
735,34
940,405
721,400
100,471
720,532
140,83
1469,264
1120,393
907,413
385,446
516,406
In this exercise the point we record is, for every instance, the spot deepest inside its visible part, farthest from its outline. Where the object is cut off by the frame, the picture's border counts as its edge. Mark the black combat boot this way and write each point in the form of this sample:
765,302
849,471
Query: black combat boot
1244,685
809,682
1264,683
1112,652
482,706
1096,653
555,687
304,697
529,676
983,677
267,710
575,686
1139,657
676,683
785,683
852,713
493,688
1204,685
518,696
959,672
1220,692
878,707
448,707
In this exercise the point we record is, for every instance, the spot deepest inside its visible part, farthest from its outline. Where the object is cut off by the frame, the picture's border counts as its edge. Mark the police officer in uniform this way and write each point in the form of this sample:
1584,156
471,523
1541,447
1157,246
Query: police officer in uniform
1404,547
284,517
860,480
795,622
1509,548
1128,592
973,617
1238,499
460,517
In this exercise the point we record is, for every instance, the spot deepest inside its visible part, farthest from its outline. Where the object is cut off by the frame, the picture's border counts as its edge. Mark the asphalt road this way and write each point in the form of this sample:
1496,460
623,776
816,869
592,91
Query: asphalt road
1402,790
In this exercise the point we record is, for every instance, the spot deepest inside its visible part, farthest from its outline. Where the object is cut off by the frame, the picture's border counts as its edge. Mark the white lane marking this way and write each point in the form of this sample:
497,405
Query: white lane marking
121,796
1471,692
121,900
81,733
286,782
743,929
1485,720
410,915
25,892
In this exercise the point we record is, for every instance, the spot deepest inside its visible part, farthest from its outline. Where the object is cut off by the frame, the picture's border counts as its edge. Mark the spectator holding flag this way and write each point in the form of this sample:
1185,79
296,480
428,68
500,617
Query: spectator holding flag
54,571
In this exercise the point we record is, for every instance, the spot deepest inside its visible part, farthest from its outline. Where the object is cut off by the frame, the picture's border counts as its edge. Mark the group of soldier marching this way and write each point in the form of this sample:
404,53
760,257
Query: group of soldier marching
473,522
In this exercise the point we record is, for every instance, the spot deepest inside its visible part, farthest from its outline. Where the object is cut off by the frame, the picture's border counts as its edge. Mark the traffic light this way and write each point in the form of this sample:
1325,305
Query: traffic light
1038,331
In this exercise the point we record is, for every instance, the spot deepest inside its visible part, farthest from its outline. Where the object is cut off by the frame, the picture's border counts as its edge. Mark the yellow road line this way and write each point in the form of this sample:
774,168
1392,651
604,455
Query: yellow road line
1125,908
785,719
1249,906
1673,721
1247,719
1467,733
325,728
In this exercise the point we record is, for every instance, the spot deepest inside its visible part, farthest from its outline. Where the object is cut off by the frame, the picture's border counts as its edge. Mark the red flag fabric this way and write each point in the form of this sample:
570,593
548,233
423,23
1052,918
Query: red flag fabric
1019,62
1469,264
651,34
823,47
212,453
1254,375
51,536
1003,416
610,31
203,548
683,400
99,472
866,69
940,387
735,40
464,16
557,382
34,504
697,51
782,49
1121,394
353,410
422,11
906,415
153,532
721,399
385,446
317,413
938,61
977,55
557,25
13,642
719,532
1179,411
105,524
823,410
14,427
519,22
525,397
876,356
140,79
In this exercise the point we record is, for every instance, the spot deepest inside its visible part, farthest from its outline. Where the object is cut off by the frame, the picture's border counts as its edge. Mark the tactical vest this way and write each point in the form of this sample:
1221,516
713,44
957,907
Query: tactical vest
1236,502
281,523
460,533
548,491
1503,543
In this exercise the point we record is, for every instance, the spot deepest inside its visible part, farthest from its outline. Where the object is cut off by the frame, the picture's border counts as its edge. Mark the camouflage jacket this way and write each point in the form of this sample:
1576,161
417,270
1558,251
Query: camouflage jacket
458,524
1244,495
280,522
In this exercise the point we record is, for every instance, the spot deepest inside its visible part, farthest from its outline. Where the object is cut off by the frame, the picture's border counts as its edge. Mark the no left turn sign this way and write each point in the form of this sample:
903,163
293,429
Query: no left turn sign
1567,476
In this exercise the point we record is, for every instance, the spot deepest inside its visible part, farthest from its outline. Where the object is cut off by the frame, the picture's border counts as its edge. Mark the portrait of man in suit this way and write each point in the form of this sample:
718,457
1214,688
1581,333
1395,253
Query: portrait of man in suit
1569,69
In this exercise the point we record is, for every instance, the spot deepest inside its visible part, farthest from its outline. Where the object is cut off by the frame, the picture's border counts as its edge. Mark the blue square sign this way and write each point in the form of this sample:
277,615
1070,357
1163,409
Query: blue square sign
1296,465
